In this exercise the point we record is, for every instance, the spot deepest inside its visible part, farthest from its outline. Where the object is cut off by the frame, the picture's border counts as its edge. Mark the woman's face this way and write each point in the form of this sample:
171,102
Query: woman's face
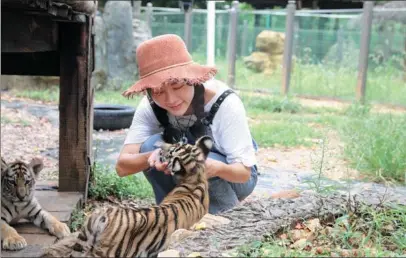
175,98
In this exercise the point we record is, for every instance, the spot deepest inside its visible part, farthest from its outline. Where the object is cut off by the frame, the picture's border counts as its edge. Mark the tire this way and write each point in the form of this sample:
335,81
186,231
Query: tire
112,117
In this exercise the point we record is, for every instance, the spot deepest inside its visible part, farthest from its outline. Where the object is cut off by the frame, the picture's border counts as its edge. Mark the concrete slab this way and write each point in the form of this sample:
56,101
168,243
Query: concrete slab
29,251
59,204
58,201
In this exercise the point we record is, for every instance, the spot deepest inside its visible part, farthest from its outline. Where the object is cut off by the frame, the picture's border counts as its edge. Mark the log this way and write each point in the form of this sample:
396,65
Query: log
252,220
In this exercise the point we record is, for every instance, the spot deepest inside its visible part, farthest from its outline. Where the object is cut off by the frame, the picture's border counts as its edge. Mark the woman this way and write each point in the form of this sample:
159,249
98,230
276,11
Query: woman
184,102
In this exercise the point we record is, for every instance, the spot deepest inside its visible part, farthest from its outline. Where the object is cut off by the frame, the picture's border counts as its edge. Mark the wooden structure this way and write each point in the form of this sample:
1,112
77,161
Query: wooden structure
47,38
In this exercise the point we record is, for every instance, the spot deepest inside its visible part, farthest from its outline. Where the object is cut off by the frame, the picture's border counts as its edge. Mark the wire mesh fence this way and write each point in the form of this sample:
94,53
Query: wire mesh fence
326,48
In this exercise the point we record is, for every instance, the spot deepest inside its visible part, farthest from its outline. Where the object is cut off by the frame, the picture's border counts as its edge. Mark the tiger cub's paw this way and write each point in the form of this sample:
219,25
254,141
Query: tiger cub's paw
59,229
14,242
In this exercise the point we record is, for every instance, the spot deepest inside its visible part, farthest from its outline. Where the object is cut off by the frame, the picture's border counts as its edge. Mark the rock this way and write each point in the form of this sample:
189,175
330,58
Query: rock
269,54
121,63
169,253
270,42
141,32
287,194
210,221
181,234
100,44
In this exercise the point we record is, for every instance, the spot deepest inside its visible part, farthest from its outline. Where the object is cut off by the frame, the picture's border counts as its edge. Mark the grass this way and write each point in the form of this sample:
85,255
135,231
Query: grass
375,144
385,82
106,183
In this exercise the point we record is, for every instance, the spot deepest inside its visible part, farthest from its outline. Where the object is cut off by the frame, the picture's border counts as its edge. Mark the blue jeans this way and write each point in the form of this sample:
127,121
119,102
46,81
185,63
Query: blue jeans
223,195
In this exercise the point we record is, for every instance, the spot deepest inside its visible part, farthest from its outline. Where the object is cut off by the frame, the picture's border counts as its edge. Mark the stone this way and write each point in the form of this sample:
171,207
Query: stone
210,221
181,234
270,42
141,32
169,253
269,54
288,194
121,63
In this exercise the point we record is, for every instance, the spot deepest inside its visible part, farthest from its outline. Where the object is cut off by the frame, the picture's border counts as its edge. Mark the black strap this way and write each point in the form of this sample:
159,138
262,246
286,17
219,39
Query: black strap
209,118
163,118
159,112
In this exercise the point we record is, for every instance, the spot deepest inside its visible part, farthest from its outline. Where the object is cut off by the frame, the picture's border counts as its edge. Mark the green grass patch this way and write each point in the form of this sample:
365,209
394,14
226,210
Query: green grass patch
106,183
287,133
43,94
375,144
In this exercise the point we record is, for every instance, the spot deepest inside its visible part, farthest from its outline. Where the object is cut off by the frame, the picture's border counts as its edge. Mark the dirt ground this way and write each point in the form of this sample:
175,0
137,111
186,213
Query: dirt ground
25,136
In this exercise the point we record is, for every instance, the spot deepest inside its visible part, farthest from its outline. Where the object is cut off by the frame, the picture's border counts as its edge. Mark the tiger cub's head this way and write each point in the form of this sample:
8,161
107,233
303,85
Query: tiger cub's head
186,160
18,179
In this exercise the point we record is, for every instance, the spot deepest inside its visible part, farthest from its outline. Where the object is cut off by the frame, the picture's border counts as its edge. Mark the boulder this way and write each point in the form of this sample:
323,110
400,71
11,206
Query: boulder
263,62
269,54
271,42
121,63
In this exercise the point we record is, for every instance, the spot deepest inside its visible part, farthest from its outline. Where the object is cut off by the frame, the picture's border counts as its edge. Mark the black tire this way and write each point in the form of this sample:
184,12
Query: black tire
112,117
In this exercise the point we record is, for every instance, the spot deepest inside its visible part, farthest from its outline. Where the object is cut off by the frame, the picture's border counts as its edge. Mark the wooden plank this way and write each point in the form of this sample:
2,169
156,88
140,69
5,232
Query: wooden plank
26,33
74,107
35,64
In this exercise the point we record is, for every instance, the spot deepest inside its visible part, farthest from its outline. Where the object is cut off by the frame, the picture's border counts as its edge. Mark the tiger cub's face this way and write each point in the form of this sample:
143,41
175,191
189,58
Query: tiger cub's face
18,179
185,159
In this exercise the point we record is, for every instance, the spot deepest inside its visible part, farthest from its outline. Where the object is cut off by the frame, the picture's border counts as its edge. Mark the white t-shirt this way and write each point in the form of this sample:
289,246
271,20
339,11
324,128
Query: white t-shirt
229,129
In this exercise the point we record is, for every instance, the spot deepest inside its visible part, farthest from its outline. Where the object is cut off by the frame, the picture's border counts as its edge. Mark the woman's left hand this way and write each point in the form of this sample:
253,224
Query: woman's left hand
213,167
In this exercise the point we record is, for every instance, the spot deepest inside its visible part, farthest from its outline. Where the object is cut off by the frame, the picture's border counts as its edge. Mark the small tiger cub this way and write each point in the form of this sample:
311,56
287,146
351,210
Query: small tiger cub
18,201
128,231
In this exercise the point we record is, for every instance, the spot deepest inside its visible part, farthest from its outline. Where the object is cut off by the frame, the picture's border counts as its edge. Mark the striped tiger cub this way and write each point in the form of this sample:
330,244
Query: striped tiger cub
18,201
126,231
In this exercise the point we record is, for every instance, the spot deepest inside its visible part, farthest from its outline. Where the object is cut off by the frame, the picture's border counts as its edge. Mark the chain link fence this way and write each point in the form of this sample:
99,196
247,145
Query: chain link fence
325,53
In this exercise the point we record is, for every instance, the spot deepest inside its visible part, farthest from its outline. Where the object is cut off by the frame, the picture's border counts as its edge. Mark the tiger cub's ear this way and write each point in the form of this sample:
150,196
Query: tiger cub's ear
36,165
205,143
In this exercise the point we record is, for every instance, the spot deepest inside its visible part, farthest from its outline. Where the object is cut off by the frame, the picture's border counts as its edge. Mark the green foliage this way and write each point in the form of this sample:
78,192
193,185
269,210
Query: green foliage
270,104
287,132
106,182
376,145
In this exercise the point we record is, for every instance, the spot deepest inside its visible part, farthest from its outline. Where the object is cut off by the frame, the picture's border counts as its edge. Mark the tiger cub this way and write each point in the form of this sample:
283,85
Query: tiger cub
125,231
18,201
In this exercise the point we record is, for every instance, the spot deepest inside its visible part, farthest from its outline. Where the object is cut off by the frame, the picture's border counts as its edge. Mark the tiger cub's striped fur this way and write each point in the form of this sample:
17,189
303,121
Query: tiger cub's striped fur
18,201
118,231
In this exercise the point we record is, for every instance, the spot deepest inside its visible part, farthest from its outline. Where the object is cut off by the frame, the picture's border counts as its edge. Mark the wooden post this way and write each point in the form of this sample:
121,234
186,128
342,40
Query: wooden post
232,44
75,105
288,47
364,50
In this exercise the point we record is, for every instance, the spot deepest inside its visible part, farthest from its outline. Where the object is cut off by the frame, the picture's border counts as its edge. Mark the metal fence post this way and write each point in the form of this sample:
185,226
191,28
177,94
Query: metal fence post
244,37
188,29
288,47
148,14
364,50
232,44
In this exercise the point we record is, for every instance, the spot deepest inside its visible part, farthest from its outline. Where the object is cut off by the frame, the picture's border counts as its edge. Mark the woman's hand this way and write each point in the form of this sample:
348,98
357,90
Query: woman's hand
154,162
213,167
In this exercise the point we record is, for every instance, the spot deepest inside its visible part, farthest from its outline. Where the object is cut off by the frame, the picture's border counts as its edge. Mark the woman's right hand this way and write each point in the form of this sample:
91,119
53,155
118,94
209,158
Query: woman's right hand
154,162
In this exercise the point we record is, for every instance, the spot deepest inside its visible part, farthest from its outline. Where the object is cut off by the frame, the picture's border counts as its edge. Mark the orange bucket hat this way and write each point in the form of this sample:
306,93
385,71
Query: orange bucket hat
165,60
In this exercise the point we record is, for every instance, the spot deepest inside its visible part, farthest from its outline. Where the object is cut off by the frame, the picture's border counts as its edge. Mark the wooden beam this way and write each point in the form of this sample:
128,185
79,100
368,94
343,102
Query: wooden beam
26,33
76,104
35,64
